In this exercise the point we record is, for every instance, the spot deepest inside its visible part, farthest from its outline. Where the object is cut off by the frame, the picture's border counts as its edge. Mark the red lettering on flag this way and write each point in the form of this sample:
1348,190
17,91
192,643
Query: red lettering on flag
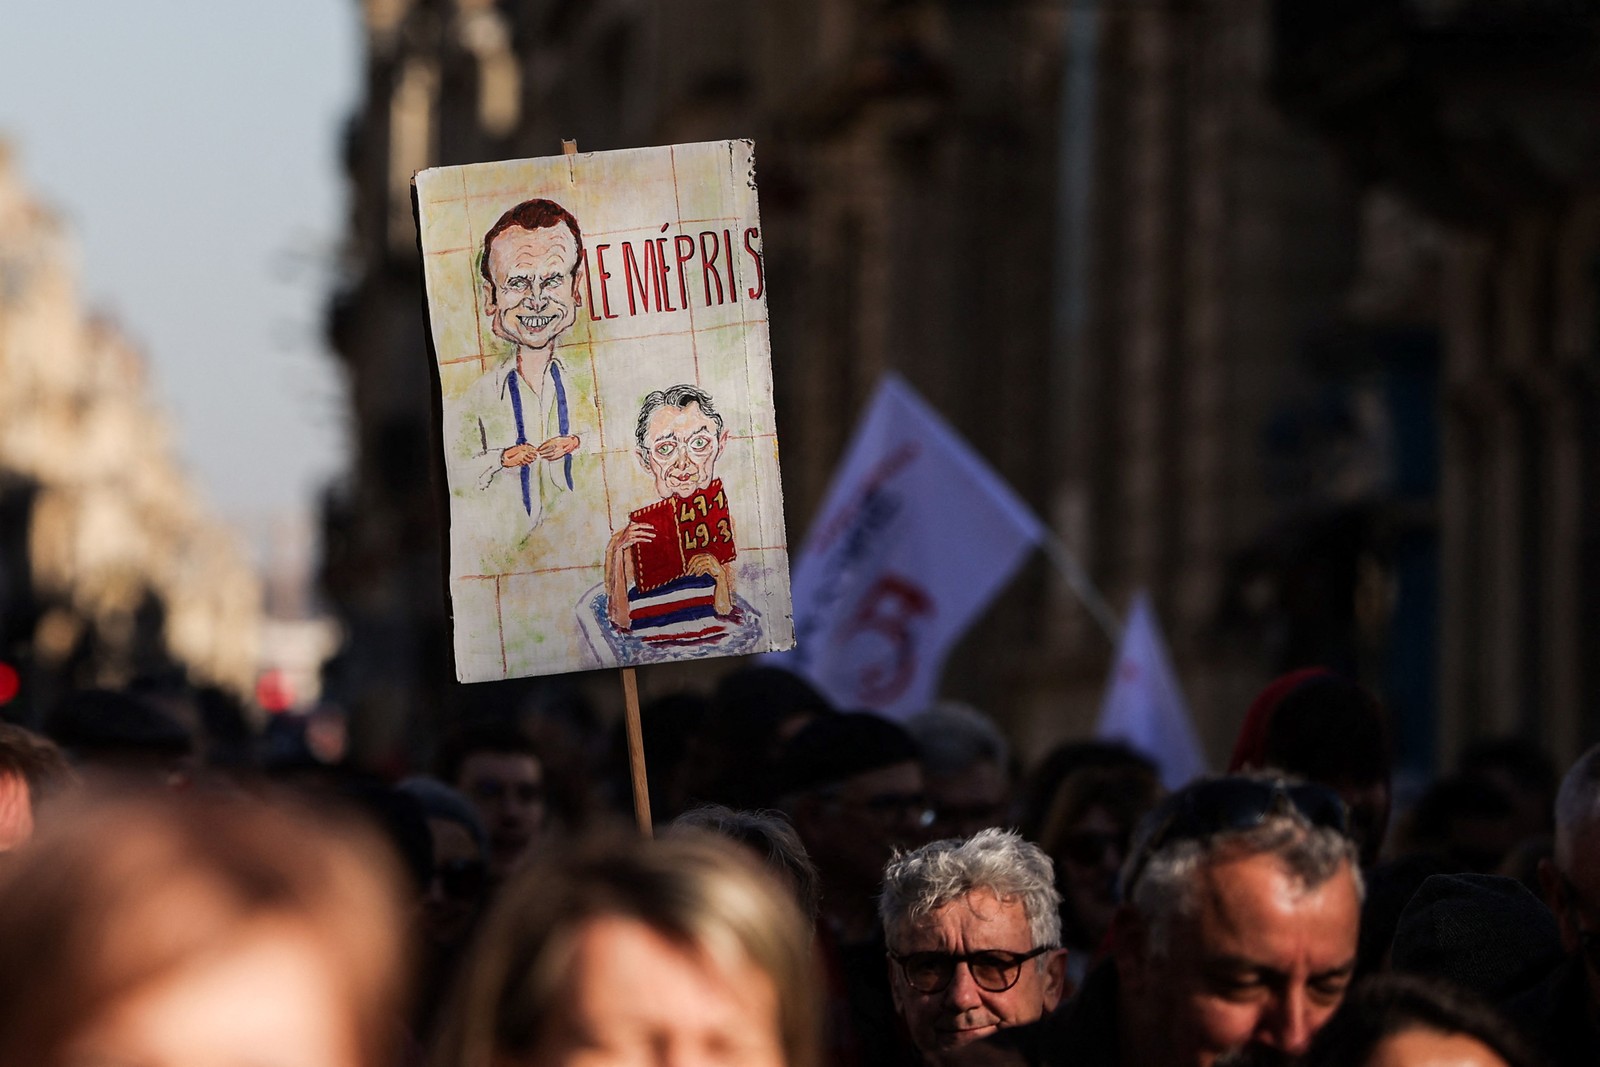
882,623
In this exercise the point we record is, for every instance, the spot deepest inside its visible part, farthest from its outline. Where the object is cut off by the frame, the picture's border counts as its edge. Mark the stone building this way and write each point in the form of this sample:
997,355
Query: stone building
1091,234
1472,127
110,566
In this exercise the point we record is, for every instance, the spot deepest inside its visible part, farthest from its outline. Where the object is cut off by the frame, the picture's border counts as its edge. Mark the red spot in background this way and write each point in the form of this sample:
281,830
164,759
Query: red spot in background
10,683
273,691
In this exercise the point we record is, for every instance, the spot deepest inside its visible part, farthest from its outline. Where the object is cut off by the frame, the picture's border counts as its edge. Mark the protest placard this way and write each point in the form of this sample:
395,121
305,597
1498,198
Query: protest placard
599,326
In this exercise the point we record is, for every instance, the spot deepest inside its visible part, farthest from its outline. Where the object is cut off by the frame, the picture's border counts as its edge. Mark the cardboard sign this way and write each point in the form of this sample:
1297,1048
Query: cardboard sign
599,324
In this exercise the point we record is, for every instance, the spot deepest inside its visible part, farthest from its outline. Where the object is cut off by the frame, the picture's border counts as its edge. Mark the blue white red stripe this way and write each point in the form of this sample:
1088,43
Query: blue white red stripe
680,612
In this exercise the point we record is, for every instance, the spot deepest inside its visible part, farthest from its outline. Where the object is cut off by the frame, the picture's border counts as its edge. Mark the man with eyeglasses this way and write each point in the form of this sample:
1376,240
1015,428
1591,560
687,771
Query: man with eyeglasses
973,927
1236,937
1563,1012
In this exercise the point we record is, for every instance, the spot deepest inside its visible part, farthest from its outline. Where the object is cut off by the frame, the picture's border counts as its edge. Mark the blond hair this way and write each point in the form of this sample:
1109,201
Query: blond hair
693,888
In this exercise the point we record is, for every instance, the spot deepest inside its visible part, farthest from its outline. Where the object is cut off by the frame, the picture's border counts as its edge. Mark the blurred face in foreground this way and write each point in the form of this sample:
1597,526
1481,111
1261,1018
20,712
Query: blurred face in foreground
16,811
633,998
1421,1047
1250,976
199,929
943,1022
271,998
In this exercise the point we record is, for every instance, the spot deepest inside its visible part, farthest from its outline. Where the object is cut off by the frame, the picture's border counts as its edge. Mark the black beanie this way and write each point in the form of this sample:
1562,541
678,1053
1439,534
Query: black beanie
835,747
1482,932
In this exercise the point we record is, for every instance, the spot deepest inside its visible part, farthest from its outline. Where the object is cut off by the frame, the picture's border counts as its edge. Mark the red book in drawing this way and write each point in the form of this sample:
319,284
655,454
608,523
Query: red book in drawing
685,528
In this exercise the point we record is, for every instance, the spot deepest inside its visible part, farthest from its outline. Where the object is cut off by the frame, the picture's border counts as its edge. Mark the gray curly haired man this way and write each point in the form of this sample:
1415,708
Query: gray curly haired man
974,929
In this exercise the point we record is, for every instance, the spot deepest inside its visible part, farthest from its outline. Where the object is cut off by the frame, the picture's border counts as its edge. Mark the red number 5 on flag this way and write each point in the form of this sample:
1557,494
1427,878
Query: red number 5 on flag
881,638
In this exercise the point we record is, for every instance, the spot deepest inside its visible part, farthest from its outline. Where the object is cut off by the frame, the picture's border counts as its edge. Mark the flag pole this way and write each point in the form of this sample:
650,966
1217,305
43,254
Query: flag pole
630,691
1079,582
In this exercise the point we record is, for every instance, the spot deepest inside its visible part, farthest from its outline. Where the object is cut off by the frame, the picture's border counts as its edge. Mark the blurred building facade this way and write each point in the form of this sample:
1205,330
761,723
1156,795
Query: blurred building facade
1161,301
110,567
1476,128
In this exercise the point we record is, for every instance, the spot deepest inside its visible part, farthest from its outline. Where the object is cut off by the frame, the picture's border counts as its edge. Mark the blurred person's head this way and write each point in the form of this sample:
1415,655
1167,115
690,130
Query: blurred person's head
1480,932
1405,1021
310,750
399,819
974,933
1087,835
32,769
170,691
1468,823
772,839
498,767
774,702
460,859
214,719
967,764
625,951
191,929
1237,935
567,736
1522,862
1524,772
853,786
1322,727
752,715
1571,878
1043,783
106,732
225,730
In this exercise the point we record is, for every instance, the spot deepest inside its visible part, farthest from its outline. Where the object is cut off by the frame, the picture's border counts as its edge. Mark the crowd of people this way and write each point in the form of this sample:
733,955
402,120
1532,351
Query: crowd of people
824,887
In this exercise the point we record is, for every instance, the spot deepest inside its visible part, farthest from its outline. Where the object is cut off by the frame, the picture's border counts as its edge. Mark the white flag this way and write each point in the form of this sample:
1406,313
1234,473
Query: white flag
1144,706
916,536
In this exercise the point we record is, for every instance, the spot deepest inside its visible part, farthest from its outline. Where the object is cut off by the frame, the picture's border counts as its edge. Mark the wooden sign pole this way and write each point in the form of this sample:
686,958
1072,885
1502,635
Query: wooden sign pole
641,787
630,696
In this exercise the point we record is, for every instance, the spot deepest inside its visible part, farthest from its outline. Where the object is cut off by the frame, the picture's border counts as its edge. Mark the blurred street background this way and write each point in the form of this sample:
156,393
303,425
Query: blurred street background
1286,312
